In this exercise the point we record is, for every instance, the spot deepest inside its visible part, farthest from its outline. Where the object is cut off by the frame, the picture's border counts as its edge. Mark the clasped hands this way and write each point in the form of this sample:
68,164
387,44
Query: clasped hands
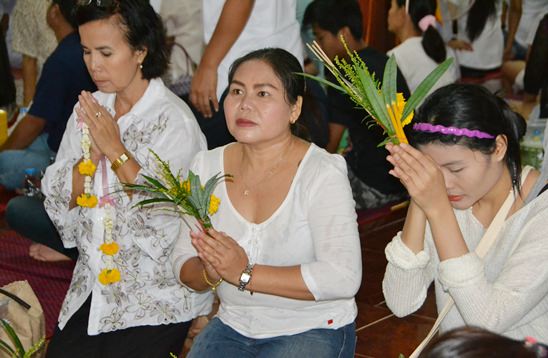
103,129
221,255
420,175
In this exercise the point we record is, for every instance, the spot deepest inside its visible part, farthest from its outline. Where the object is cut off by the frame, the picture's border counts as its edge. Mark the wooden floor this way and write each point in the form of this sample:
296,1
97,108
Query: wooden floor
380,333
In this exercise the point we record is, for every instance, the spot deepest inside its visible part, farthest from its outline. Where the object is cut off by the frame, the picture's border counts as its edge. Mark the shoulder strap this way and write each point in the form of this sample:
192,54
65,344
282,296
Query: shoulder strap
481,250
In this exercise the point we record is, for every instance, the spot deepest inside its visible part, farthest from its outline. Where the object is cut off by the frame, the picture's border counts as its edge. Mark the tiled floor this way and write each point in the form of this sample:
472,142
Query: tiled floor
380,333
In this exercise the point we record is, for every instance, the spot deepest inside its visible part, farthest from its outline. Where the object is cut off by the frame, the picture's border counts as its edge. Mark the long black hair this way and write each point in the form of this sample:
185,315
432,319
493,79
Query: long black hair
143,28
432,42
478,15
472,107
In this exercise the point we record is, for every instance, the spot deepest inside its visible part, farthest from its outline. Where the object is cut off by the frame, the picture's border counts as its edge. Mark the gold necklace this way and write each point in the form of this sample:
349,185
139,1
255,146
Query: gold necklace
269,173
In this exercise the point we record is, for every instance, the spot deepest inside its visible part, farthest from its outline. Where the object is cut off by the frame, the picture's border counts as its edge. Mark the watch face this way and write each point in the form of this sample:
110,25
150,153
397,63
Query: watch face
245,277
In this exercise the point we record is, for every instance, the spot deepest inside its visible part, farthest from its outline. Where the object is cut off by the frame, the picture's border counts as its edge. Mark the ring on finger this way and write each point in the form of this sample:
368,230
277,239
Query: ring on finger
98,114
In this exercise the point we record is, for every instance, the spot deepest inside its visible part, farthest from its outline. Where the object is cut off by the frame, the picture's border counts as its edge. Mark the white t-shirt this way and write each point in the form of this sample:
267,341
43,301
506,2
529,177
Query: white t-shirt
487,47
270,24
314,227
415,64
528,22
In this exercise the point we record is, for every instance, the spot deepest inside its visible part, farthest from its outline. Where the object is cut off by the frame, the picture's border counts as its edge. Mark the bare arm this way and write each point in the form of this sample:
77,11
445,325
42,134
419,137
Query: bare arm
514,16
30,76
25,133
335,134
231,23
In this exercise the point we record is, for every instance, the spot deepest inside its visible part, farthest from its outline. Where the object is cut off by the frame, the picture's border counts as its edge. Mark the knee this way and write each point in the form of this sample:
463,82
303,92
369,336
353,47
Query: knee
16,211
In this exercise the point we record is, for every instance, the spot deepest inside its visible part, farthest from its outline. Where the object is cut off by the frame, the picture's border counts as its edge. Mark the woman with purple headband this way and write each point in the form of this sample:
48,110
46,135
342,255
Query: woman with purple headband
462,165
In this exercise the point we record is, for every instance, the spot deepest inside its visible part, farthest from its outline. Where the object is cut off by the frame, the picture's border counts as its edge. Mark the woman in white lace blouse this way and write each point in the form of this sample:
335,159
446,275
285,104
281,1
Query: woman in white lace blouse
285,259
123,299
464,163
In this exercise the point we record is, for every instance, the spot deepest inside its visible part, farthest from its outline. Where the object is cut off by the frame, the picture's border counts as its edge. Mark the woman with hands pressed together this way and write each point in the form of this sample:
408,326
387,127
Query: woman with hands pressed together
284,257
123,299
463,163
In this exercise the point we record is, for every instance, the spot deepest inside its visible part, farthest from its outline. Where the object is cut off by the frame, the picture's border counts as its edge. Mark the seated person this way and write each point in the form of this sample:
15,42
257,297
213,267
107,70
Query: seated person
284,257
35,140
479,41
422,48
37,137
463,162
124,300
372,186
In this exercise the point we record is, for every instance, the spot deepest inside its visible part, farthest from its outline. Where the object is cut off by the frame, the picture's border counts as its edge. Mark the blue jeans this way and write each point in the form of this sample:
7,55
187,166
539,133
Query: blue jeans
14,162
219,340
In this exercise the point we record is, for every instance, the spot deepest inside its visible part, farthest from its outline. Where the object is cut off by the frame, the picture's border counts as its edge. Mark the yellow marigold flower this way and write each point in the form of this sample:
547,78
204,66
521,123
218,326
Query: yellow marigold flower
109,276
186,185
86,167
109,249
396,110
213,204
86,200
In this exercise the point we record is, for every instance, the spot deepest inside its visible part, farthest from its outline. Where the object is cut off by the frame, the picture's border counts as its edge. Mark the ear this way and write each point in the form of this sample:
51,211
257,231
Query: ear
501,146
345,32
142,54
296,110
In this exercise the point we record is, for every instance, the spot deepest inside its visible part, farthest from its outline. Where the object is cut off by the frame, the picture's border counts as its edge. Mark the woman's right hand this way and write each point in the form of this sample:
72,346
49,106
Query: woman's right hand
421,176
203,90
208,267
460,45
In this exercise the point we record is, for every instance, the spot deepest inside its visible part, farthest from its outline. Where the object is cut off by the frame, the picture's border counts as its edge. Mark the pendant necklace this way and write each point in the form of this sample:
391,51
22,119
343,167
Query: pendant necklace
269,173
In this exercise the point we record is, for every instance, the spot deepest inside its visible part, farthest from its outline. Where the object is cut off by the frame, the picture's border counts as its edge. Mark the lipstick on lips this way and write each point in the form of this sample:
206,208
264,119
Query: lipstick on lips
454,198
241,122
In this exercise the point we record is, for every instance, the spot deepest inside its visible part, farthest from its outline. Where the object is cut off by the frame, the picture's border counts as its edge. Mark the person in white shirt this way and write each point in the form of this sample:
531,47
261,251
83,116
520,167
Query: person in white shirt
462,164
123,299
422,47
233,28
284,256
479,41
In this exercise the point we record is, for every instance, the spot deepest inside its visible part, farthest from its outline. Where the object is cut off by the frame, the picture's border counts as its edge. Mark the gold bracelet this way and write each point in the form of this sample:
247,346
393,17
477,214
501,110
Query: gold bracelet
211,285
124,157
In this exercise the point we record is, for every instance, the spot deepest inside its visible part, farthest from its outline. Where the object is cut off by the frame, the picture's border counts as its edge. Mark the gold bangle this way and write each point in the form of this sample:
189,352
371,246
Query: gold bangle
211,285
124,157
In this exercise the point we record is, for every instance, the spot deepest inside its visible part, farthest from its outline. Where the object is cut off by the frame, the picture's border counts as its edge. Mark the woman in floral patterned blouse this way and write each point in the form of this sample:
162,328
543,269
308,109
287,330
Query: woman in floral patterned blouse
123,299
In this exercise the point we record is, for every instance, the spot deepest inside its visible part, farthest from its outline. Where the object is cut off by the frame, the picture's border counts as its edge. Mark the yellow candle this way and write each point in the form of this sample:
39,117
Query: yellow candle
3,126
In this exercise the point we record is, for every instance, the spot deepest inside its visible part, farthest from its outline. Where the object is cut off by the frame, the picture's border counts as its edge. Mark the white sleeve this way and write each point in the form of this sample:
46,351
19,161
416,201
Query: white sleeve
407,277
337,270
516,295
57,187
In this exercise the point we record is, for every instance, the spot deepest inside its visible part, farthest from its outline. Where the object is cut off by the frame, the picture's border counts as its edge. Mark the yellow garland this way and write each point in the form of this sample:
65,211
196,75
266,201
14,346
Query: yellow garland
86,167
109,249
109,276
86,200
214,203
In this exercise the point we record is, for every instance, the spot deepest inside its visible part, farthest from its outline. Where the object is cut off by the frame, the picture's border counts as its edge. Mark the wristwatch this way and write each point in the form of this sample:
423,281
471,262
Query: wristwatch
245,277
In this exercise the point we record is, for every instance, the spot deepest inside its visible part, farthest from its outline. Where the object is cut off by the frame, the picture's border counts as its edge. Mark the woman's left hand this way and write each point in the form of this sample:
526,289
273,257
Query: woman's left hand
222,252
420,175
102,127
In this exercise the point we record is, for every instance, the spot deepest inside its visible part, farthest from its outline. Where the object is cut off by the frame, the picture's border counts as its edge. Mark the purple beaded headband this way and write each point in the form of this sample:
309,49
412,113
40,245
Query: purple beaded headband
461,132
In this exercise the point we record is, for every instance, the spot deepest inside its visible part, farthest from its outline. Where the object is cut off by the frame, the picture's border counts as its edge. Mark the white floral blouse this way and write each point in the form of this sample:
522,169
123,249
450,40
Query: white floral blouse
148,293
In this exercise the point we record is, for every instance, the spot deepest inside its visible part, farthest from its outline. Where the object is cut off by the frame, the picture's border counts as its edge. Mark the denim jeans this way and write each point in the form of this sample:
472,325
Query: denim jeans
28,217
219,340
14,162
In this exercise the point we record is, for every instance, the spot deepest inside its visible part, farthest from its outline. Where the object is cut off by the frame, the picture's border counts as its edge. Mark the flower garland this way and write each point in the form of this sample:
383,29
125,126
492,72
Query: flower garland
110,274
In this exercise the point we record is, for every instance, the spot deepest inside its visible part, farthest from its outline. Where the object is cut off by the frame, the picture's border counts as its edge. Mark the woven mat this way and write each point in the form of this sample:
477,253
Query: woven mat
49,280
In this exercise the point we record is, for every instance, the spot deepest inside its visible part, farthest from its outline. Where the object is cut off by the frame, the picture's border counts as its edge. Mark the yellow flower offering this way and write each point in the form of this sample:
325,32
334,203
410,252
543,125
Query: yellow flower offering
213,204
86,200
109,276
86,167
109,249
